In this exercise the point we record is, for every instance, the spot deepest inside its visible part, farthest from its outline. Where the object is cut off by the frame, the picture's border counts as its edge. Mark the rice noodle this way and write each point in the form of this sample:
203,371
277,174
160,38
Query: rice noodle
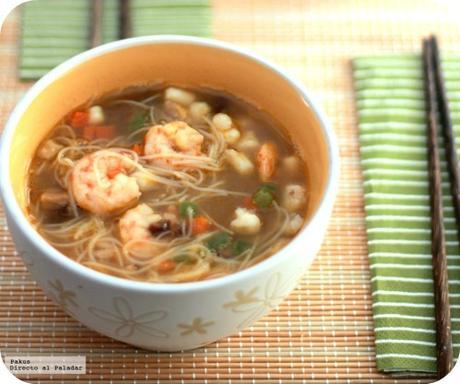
95,242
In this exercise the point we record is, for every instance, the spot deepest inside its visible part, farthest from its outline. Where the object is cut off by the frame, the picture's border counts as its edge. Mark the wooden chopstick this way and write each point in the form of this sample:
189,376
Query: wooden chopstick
95,29
124,19
124,24
448,132
438,245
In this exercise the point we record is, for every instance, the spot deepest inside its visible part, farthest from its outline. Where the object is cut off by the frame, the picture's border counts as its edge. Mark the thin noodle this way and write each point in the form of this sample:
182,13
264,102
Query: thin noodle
95,242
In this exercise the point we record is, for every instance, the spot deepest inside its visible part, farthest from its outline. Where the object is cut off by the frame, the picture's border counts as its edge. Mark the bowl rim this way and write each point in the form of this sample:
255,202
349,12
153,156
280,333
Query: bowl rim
23,224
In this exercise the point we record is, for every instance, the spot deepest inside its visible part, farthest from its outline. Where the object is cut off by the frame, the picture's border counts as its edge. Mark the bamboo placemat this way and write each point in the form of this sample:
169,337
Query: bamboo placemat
323,332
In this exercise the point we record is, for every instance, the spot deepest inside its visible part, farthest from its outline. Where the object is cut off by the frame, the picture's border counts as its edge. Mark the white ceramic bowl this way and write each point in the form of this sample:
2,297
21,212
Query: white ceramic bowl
168,317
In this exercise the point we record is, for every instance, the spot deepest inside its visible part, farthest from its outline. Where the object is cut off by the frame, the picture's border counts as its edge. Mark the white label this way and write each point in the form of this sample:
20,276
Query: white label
46,365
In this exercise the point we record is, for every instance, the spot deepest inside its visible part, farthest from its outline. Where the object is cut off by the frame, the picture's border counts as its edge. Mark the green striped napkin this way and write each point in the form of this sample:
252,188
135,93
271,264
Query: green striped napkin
390,100
54,30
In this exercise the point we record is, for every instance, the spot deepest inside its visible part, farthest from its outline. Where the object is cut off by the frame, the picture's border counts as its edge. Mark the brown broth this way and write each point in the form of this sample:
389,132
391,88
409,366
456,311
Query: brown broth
245,116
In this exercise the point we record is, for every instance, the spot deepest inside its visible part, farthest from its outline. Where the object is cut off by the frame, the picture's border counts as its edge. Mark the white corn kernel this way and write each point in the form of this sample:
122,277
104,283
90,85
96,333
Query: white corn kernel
222,121
96,115
294,197
232,136
239,162
246,222
144,181
199,109
179,96
248,142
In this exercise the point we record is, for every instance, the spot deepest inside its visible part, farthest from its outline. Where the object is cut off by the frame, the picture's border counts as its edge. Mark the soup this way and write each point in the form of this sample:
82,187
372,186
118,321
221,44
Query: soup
163,184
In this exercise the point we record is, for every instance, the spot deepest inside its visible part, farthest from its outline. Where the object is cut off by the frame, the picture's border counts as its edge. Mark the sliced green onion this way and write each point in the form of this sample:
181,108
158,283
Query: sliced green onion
239,246
187,208
219,241
271,187
138,121
264,196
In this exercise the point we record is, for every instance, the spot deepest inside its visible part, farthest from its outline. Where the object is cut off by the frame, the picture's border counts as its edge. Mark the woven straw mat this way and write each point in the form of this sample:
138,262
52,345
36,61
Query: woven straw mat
323,333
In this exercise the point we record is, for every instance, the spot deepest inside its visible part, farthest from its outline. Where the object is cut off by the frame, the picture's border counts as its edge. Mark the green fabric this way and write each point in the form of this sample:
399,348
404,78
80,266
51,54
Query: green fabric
182,17
54,30
390,102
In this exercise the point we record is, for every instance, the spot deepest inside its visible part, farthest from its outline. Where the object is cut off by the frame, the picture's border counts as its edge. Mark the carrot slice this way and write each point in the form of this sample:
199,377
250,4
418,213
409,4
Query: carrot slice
105,131
138,148
79,119
248,203
200,224
166,266
91,132
87,132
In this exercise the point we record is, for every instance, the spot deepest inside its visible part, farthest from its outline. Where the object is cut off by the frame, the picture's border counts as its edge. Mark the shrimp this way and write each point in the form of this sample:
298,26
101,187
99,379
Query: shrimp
100,183
266,159
138,226
172,138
